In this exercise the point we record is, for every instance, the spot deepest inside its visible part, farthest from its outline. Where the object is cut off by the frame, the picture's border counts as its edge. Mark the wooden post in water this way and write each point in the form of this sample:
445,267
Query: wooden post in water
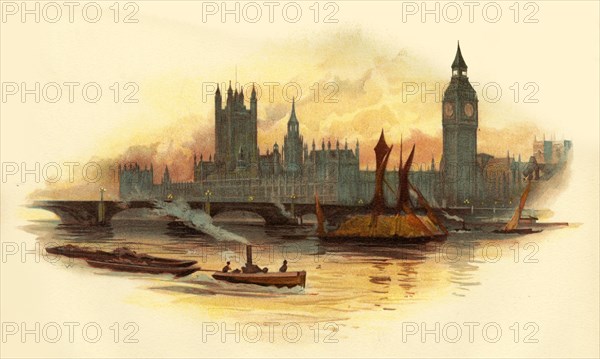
101,209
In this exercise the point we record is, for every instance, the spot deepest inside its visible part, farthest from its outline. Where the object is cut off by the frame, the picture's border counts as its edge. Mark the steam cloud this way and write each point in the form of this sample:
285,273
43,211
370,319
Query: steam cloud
282,209
455,218
197,219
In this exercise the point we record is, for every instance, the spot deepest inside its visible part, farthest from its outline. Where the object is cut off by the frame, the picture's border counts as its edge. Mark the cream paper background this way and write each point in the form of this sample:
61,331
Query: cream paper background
170,46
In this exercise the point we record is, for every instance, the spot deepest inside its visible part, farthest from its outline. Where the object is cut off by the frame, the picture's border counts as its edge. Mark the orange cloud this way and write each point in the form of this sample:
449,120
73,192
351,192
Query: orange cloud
364,82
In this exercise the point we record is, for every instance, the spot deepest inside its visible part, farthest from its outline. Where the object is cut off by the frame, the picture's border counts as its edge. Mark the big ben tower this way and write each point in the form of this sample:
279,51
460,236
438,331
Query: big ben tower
460,122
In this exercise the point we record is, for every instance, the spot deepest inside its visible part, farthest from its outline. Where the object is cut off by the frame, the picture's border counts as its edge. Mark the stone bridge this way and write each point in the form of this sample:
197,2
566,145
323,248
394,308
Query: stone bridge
101,213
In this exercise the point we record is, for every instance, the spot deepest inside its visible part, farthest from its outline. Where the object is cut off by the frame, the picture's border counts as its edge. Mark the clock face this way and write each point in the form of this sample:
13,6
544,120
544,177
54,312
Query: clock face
448,110
469,110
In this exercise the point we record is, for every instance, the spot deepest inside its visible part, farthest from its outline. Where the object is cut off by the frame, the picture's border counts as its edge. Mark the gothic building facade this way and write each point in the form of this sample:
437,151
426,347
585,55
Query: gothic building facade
239,172
235,133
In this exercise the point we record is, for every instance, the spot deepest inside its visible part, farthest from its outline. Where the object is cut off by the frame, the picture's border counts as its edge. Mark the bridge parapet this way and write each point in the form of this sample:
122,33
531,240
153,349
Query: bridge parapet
87,212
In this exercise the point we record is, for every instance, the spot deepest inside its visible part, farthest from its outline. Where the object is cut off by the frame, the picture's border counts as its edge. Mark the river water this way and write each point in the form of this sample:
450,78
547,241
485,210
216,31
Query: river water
357,296
343,278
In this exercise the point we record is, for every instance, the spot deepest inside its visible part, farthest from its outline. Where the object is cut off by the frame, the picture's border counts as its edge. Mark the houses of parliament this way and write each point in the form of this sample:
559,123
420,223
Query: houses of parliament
239,172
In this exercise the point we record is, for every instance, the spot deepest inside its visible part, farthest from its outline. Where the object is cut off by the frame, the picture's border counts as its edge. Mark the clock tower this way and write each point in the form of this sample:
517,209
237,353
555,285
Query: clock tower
460,121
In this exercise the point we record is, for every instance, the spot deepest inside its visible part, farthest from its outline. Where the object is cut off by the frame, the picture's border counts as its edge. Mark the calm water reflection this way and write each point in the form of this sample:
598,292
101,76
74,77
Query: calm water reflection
342,277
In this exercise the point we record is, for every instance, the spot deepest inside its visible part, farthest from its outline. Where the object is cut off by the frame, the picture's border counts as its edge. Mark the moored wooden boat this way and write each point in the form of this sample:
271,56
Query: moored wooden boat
518,231
277,279
122,266
406,225
73,251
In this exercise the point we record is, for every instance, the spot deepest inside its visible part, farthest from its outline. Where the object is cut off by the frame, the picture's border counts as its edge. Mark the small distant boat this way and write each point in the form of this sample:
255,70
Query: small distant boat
121,266
463,228
519,231
511,226
276,279
72,251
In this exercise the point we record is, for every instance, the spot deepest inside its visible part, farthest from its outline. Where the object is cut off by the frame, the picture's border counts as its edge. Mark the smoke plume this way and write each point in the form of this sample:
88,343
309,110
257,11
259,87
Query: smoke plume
282,209
454,218
197,219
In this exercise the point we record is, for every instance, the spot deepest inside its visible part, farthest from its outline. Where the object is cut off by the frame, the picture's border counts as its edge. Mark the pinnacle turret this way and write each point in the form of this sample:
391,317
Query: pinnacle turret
459,62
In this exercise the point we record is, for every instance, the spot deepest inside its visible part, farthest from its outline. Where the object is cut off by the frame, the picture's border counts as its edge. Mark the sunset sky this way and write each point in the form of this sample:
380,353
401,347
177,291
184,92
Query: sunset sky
176,57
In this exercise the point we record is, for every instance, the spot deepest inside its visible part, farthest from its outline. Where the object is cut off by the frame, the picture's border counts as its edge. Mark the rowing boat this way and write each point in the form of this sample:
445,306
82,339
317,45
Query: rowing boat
72,251
279,280
121,266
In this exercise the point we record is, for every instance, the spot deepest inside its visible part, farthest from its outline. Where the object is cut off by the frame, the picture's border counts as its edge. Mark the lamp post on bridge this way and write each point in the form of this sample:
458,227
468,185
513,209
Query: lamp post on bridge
292,205
207,194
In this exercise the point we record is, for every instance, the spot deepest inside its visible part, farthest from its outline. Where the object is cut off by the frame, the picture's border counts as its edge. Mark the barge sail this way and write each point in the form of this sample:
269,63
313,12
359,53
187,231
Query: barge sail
402,223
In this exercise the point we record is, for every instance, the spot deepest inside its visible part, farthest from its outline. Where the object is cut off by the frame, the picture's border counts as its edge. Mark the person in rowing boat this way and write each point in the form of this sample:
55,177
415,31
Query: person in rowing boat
283,268
227,268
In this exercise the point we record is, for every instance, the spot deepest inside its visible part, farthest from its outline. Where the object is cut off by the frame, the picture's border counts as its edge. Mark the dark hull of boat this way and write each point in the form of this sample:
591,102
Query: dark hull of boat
518,231
279,280
98,255
137,268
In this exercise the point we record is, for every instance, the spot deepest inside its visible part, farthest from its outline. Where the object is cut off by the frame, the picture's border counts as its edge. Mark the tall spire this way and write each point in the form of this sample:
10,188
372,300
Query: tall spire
166,176
459,62
229,94
293,118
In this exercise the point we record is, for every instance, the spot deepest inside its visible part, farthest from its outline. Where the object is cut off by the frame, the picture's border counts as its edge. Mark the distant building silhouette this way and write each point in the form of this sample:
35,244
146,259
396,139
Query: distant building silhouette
238,172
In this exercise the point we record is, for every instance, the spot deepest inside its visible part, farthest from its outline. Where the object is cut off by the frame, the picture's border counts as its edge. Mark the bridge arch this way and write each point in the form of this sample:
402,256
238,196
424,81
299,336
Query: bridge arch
270,213
245,215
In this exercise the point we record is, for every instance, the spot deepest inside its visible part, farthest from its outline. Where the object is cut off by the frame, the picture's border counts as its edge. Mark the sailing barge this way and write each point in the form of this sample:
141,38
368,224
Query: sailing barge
405,224
511,226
